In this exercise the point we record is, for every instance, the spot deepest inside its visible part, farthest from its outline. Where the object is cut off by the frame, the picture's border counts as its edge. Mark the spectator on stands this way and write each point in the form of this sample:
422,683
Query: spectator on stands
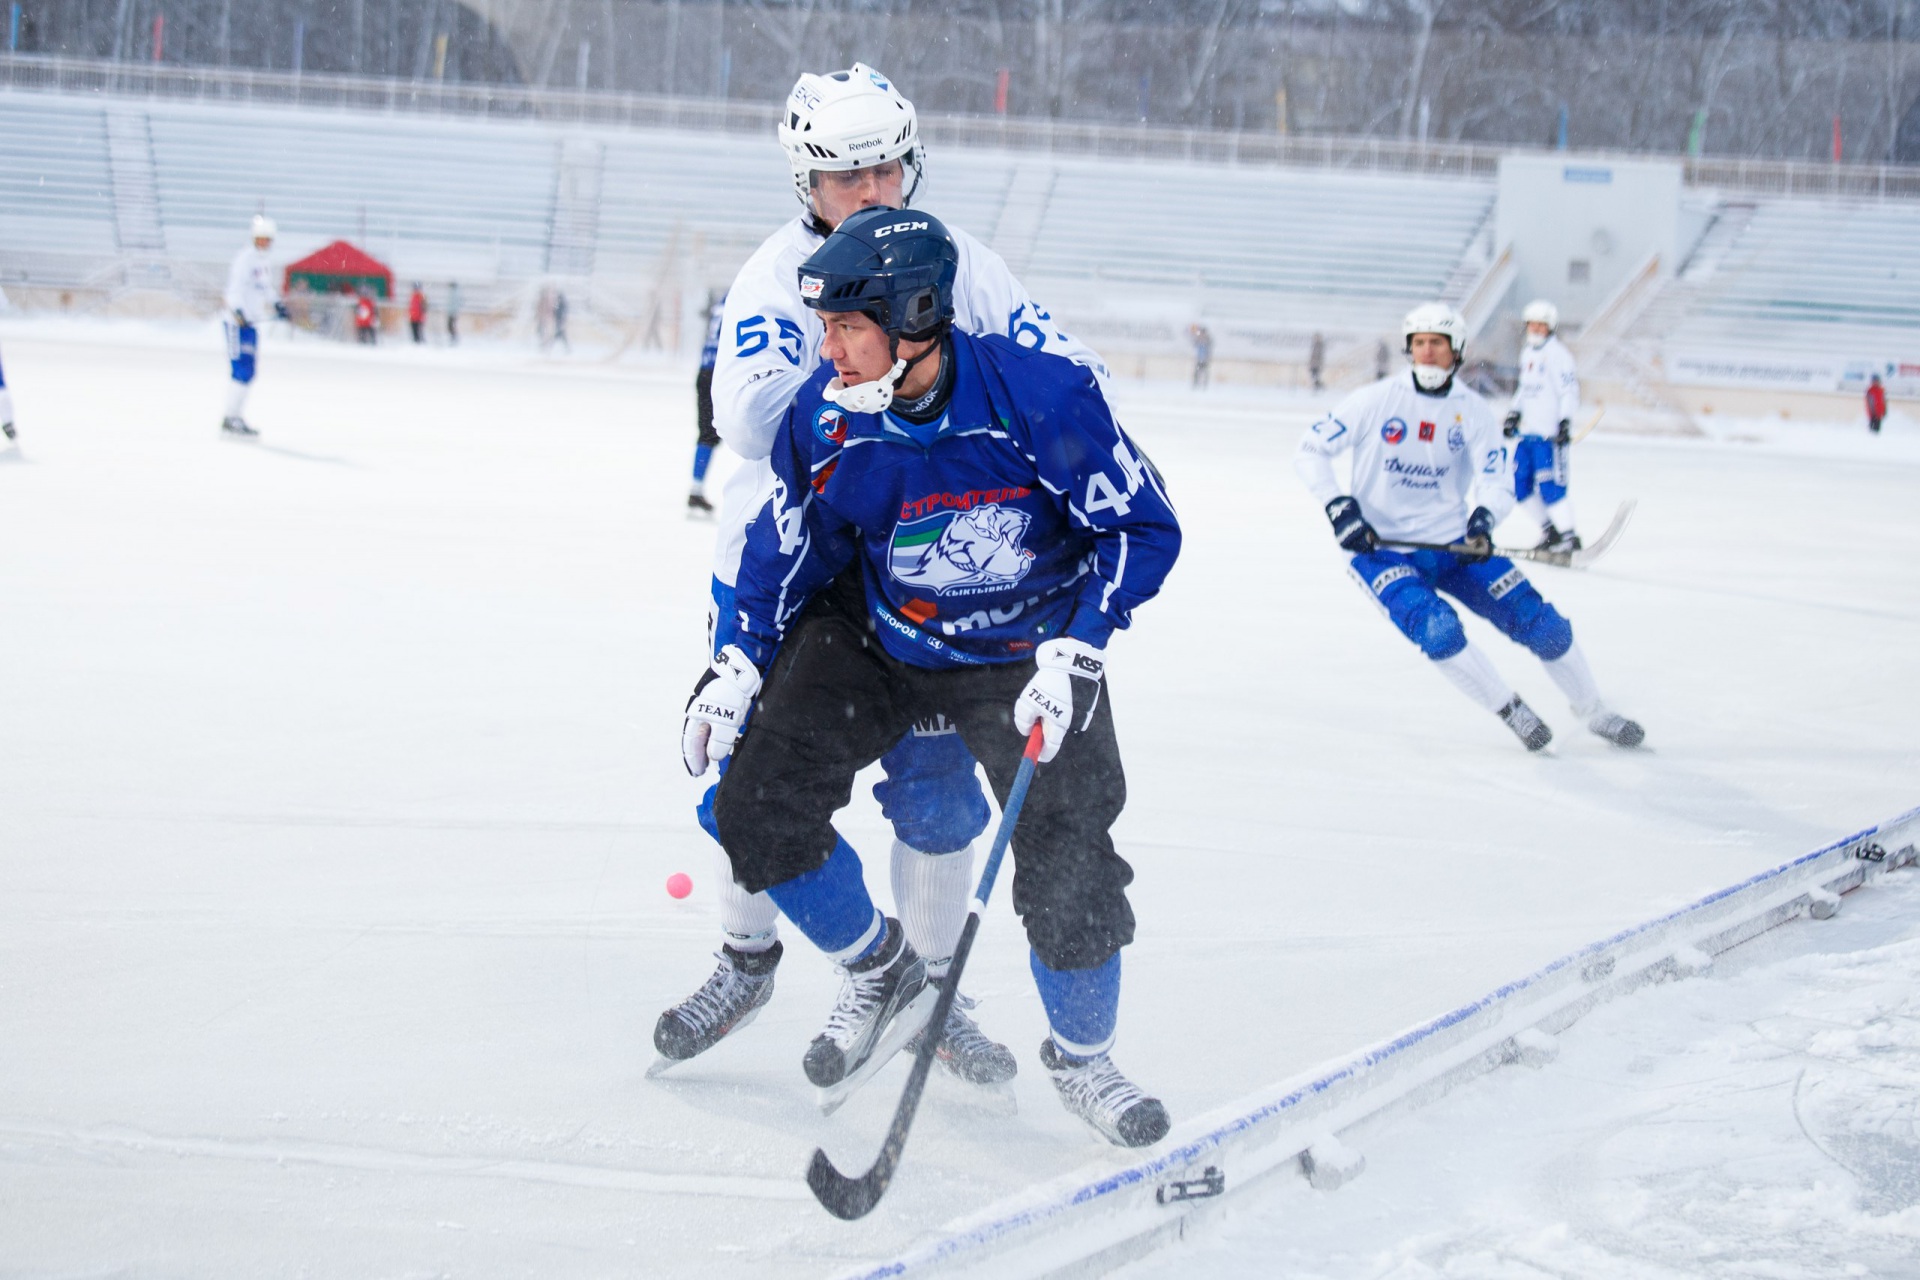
366,318
1316,360
1202,354
1382,358
560,320
453,314
1876,404
417,314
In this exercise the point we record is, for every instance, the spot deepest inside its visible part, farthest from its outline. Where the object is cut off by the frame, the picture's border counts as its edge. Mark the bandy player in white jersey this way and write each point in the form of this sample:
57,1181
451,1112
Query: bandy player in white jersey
1541,415
852,142
1431,478
250,299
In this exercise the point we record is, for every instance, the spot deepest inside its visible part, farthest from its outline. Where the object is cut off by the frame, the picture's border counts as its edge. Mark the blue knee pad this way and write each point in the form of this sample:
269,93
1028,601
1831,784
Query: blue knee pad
1501,594
1424,618
1533,462
931,793
242,344
1546,633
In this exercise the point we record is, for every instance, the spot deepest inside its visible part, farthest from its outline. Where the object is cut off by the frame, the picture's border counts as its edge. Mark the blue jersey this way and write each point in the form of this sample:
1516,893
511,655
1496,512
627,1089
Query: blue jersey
1022,514
710,353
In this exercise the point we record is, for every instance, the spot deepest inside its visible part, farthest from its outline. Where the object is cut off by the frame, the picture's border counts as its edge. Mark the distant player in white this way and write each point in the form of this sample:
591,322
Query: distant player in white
1542,414
852,142
6,406
250,300
1430,466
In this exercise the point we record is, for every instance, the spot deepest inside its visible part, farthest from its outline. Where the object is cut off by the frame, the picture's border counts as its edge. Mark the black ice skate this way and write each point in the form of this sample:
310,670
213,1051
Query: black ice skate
1526,726
238,428
1617,729
697,505
726,1002
8,428
874,992
1558,541
1093,1089
967,1053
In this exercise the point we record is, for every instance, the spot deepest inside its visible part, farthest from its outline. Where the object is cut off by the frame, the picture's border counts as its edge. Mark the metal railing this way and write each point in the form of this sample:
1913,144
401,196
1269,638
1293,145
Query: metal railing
1055,137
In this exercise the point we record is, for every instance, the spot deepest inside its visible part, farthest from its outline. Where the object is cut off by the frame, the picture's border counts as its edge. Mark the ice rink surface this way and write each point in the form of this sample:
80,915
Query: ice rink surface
341,781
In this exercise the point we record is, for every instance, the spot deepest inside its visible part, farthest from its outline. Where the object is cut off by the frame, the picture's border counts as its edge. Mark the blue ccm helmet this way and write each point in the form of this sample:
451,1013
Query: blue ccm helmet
895,266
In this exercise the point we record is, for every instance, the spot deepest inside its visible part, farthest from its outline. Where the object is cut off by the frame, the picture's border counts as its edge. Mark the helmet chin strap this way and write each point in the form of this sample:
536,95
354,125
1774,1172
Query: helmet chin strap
875,396
1431,377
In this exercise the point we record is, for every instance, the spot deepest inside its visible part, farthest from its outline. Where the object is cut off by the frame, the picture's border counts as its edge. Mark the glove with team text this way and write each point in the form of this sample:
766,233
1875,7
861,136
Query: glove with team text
1478,541
1565,434
1511,427
718,709
1350,527
1062,694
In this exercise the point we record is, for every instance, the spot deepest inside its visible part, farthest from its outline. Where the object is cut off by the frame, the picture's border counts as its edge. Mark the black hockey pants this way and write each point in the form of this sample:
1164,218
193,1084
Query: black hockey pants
835,702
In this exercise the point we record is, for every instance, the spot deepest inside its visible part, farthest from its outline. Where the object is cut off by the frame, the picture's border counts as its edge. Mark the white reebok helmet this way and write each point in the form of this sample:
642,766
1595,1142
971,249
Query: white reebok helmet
848,120
263,227
1540,311
1435,317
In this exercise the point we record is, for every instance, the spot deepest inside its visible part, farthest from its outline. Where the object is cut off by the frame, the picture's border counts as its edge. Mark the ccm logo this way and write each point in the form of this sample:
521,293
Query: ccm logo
878,232
1091,666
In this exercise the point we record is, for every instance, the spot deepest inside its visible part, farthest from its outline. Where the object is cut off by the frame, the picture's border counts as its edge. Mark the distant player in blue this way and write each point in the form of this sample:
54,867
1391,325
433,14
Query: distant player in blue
6,406
250,300
957,527
697,503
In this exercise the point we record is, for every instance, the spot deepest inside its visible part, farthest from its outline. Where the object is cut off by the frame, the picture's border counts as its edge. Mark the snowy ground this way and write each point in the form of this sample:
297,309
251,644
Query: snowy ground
1759,1121
340,778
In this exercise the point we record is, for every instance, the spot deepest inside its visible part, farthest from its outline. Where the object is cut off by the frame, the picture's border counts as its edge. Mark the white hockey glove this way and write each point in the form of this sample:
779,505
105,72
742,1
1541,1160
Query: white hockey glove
1053,697
718,710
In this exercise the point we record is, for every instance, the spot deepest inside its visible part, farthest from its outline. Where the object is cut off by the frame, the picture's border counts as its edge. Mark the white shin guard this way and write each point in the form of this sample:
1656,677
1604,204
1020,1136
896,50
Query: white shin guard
751,921
1575,678
236,398
1475,676
930,891
1561,513
1535,507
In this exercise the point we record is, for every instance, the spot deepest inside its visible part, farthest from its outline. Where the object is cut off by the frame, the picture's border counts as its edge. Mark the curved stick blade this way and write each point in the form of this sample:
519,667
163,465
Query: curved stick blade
843,1197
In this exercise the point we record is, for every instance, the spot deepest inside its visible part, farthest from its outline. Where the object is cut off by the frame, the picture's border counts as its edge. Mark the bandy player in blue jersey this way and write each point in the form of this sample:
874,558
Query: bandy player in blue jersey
957,528
697,504
1430,465
852,142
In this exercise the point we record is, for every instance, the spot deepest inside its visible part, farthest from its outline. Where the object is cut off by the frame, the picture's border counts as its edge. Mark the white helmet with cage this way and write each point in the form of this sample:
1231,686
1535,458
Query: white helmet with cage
848,120
1435,317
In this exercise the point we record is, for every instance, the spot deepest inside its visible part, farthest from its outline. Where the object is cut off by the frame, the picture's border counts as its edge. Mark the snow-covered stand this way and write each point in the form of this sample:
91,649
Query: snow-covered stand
1087,1222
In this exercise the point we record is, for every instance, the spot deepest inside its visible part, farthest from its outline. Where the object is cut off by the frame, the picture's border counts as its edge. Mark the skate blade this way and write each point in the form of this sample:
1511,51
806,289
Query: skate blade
663,1064
903,1028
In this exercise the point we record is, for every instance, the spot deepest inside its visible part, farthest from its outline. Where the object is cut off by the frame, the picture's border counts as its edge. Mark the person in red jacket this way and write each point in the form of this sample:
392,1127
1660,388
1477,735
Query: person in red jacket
366,318
417,313
1876,404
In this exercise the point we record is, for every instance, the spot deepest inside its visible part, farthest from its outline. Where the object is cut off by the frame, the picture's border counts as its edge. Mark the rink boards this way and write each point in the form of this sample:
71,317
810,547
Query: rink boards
1089,1222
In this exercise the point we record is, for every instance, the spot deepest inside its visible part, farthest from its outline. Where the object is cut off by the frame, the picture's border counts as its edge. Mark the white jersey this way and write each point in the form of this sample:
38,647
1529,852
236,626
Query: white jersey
1549,391
770,346
250,288
1421,463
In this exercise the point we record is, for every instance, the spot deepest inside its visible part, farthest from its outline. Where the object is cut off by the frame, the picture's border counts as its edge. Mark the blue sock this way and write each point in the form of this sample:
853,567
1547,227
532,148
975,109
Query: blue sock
1083,1005
702,455
830,905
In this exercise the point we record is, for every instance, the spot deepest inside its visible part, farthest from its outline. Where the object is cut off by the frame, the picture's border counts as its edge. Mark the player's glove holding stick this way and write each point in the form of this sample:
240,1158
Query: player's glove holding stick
718,709
1511,426
1478,542
1062,694
1350,527
1563,434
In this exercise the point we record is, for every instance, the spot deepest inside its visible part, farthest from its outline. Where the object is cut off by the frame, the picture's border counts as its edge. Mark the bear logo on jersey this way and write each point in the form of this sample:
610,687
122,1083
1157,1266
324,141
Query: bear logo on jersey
958,550
830,424
1393,431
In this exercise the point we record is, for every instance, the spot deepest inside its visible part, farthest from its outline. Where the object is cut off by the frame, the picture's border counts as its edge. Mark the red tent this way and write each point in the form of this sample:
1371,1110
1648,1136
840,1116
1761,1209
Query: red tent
325,270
